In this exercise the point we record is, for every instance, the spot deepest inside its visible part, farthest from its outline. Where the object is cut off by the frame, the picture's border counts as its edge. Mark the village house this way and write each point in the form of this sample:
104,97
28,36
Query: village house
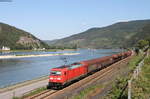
5,48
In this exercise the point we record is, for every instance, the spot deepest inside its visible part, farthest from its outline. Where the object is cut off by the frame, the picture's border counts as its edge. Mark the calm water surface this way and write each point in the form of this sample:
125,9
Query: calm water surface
17,70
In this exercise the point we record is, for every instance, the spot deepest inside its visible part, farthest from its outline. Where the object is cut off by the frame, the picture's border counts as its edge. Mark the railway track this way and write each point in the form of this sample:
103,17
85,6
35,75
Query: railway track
95,77
42,94
82,84
48,94
85,84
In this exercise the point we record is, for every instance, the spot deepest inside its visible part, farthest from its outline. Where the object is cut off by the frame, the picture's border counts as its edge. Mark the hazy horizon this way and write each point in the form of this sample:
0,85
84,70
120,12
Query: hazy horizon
49,20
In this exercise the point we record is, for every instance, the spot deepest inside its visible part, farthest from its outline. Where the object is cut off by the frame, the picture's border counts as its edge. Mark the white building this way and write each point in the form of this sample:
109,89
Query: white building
5,48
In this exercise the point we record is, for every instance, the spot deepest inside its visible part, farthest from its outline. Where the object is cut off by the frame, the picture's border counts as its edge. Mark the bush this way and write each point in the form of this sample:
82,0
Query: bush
147,61
118,90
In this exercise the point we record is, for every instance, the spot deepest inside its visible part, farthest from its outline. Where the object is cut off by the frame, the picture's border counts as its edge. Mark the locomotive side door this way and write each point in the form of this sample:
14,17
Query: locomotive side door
66,76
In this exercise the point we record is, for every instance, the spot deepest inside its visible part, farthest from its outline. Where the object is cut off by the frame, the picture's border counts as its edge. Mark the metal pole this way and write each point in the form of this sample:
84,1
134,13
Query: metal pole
14,94
129,89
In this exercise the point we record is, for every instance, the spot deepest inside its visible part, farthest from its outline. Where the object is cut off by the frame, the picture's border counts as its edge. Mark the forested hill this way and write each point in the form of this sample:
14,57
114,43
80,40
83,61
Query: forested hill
144,34
122,34
18,39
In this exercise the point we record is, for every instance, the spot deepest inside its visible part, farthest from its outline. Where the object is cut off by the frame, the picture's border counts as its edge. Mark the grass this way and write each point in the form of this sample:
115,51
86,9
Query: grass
117,87
47,50
141,85
84,94
38,90
134,61
17,51
121,82
35,91
16,98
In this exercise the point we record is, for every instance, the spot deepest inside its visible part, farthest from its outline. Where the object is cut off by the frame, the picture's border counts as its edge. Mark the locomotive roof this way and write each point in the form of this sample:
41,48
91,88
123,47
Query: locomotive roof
64,66
67,66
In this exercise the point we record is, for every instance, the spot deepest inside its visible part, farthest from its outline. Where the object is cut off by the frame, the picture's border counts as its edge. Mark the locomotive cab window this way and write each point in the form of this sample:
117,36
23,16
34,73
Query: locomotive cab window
55,73
75,65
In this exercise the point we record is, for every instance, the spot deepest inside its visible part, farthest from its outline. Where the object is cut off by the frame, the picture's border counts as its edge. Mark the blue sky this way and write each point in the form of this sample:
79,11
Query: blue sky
54,19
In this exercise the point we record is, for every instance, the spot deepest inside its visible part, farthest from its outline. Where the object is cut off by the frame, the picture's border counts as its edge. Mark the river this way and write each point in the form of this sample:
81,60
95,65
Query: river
16,70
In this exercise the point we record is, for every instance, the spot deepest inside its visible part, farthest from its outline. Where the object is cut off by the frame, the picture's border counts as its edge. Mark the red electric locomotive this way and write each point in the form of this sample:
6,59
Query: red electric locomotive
63,75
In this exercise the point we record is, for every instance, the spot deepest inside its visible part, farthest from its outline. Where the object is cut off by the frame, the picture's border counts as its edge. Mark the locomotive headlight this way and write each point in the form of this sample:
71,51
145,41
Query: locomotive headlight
51,78
58,78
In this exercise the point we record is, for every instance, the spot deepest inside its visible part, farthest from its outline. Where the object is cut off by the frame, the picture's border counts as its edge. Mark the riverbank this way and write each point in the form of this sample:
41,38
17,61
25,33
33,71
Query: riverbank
21,84
23,88
47,50
41,55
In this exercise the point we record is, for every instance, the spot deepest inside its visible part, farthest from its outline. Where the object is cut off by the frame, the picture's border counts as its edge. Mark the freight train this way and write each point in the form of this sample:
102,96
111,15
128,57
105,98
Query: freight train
64,75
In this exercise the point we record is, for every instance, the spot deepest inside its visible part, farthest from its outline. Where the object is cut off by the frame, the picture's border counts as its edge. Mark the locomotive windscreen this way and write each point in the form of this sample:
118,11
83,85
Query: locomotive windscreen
55,73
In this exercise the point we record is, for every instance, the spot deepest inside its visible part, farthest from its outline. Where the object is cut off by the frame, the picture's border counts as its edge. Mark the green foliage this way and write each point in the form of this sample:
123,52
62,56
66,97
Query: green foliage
147,61
16,98
141,86
117,89
9,36
120,83
84,93
134,61
144,34
122,34
38,90
142,43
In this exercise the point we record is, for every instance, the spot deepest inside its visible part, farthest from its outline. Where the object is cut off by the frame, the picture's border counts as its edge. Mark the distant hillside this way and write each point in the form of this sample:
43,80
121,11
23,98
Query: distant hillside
50,42
113,36
18,39
144,33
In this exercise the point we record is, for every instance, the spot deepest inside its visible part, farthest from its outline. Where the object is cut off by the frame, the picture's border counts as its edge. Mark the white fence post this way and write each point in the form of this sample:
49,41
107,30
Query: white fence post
129,89
14,94
135,74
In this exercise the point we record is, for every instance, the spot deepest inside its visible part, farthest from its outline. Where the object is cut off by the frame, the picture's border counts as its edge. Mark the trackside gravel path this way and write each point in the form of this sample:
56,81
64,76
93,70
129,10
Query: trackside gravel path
21,89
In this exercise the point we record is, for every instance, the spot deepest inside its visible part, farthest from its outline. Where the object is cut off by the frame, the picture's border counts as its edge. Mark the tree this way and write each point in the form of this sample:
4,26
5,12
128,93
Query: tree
142,44
148,39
